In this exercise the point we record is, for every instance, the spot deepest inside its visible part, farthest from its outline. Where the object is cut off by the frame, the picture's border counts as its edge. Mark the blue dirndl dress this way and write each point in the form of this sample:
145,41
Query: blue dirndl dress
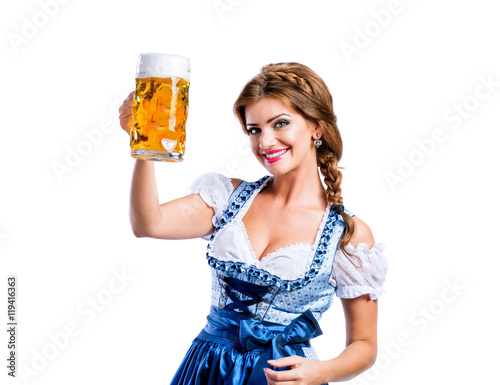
258,313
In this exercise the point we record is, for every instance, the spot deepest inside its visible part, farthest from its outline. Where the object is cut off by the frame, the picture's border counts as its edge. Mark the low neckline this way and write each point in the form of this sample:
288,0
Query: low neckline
313,246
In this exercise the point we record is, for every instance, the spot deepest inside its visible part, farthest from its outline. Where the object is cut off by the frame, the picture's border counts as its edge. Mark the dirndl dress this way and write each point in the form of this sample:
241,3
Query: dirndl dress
269,308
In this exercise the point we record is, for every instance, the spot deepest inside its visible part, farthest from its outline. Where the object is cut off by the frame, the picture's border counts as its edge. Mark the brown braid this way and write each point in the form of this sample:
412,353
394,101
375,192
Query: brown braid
304,91
328,165
290,77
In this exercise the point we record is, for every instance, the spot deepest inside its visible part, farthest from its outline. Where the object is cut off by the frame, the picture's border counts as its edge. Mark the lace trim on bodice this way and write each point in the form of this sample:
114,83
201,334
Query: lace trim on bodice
243,195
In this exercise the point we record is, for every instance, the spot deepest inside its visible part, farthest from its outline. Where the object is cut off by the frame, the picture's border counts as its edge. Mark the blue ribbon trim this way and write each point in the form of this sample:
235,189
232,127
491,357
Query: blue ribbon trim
239,197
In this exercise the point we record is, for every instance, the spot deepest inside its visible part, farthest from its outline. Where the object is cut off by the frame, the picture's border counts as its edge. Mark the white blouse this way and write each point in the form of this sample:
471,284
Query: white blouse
352,279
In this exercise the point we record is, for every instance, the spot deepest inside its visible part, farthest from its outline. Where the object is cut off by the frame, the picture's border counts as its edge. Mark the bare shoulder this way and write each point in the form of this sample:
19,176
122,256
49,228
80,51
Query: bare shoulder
236,182
362,234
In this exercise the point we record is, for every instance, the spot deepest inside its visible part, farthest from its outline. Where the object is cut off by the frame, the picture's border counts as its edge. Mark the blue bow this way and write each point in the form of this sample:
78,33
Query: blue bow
278,340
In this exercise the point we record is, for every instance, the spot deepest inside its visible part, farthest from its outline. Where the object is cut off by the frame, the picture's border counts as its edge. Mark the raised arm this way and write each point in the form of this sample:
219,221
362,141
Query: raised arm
182,218
186,217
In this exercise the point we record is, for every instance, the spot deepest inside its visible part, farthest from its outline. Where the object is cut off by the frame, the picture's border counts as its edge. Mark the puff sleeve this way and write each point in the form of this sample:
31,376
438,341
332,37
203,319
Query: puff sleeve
363,276
215,189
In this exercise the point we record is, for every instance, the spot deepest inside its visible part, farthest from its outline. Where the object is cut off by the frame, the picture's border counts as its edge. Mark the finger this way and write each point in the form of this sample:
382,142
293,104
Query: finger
125,114
285,361
130,96
127,105
126,122
282,378
127,102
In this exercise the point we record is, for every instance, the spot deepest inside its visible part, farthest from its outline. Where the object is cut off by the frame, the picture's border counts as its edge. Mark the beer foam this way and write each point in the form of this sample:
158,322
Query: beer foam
161,65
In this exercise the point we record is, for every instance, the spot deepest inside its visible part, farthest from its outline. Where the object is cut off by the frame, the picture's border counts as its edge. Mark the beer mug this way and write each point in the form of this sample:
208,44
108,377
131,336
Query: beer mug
160,107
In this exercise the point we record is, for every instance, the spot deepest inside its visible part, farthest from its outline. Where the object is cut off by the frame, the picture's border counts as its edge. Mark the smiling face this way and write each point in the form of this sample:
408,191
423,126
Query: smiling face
280,138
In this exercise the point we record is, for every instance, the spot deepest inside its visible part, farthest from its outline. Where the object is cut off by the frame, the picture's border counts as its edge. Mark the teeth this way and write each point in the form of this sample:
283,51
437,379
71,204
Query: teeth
270,156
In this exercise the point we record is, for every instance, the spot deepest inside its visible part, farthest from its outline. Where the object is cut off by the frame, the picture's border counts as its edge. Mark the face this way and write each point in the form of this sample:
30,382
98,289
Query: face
280,138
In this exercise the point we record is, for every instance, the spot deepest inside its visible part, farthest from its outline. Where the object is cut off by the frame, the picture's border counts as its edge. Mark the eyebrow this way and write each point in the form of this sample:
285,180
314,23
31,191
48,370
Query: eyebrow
269,121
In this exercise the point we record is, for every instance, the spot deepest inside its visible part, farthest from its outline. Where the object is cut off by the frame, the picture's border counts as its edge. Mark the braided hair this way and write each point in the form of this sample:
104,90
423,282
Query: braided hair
301,89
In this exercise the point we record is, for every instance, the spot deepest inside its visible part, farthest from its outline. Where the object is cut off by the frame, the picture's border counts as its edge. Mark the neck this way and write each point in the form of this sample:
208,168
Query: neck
298,188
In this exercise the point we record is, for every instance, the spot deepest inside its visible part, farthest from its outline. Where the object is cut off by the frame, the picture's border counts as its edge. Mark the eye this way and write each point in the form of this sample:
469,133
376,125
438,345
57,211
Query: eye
281,123
253,131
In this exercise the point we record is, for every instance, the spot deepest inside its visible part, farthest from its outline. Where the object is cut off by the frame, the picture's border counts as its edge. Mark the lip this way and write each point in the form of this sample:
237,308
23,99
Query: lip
273,151
276,158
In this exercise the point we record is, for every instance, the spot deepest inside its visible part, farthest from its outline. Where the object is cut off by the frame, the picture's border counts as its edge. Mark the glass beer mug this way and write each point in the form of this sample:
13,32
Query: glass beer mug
160,107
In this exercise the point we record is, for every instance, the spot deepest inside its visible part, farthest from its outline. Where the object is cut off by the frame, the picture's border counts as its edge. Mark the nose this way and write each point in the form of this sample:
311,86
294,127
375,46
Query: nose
267,139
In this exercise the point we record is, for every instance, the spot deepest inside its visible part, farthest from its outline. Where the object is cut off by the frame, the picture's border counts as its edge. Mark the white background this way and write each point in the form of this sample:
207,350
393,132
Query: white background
66,235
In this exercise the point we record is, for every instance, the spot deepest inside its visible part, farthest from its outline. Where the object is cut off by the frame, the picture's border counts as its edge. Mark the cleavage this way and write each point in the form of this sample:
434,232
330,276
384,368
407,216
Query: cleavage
274,243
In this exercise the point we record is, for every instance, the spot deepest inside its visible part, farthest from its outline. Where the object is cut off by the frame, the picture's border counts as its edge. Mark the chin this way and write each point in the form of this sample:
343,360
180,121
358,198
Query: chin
275,170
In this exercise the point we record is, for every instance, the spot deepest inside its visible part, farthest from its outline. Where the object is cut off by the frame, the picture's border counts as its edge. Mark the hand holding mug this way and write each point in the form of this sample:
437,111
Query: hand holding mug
125,113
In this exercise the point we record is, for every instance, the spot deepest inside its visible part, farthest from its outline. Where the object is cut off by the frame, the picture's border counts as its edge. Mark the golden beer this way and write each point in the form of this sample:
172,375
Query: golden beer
160,108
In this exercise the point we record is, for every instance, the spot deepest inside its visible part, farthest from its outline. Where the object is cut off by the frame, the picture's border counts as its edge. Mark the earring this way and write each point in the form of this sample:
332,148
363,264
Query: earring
317,142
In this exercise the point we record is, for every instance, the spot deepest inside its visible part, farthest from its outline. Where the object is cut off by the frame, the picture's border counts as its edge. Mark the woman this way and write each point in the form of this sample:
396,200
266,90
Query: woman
279,248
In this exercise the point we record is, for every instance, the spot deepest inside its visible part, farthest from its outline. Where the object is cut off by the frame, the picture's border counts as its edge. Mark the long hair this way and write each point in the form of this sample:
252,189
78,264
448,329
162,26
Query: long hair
301,89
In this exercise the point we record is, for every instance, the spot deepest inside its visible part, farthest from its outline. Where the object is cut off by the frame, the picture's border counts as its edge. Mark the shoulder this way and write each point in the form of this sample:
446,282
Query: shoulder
211,185
236,182
362,234
366,271
211,178
214,181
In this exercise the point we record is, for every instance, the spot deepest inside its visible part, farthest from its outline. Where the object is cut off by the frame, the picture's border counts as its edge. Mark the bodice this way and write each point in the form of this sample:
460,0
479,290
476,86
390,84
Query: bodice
298,277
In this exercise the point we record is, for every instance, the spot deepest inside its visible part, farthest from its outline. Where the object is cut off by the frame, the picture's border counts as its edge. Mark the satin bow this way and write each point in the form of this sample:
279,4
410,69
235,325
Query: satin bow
278,341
